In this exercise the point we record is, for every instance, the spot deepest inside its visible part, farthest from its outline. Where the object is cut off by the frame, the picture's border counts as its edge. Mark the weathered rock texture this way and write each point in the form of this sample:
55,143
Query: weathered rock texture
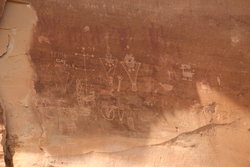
16,78
2,126
2,4
137,83
2,138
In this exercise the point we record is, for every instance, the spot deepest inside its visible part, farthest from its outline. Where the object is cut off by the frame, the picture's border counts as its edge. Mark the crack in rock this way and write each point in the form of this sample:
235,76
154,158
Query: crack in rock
9,47
168,142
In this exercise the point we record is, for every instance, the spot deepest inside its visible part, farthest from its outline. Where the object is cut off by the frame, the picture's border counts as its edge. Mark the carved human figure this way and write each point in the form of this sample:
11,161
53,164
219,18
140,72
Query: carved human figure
171,75
84,97
187,72
132,68
109,64
111,110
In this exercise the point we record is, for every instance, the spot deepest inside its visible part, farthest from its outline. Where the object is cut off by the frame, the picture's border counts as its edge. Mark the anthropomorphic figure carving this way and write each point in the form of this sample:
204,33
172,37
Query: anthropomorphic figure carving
132,68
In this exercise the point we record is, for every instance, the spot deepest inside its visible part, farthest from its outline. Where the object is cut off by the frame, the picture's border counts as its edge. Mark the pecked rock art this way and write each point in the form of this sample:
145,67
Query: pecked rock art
134,74
134,83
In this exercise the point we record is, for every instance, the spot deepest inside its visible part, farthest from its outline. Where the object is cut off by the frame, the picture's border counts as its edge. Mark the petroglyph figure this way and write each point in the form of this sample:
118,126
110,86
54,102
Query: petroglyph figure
150,101
120,114
109,64
66,82
132,68
84,97
208,111
120,78
109,112
187,72
130,122
171,75
218,80
166,87
60,61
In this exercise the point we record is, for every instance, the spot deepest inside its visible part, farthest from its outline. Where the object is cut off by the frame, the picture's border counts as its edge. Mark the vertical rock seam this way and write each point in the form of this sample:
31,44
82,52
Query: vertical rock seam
5,155
16,27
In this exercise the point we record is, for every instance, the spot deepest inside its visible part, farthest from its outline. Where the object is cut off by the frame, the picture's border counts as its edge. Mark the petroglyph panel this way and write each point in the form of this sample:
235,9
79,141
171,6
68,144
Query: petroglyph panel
112,70
135,71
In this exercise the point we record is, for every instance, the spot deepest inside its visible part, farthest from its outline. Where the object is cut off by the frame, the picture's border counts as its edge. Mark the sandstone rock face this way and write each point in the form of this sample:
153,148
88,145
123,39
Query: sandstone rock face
16,77
140,83
2,126
2,4
2,138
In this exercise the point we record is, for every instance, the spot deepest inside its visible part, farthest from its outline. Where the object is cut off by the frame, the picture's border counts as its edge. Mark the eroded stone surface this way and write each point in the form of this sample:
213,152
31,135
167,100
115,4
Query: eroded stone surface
134,83
16,78
2,137
2,4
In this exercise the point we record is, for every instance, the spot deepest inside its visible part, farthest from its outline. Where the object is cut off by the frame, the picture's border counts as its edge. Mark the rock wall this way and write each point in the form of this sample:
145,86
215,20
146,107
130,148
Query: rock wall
2,138
16,78
137,83
2,117
2,4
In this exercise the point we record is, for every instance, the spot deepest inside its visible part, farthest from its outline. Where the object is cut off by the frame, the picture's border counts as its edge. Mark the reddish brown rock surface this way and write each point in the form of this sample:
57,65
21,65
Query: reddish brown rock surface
2,4
2,138
132,83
